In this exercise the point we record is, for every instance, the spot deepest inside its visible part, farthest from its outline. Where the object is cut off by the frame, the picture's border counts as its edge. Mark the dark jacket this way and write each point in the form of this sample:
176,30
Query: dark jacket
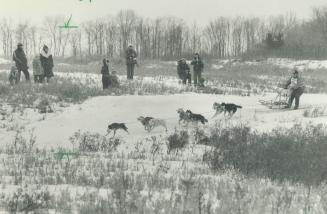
197,65
295,83
105,70
47,64
20,59
182,69
130,56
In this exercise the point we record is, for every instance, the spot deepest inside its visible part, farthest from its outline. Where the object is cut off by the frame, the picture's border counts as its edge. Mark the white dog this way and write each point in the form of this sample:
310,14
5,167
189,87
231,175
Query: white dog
150,123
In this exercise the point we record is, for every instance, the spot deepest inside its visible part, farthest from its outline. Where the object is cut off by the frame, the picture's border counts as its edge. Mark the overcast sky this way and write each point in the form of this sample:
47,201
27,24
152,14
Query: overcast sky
190,10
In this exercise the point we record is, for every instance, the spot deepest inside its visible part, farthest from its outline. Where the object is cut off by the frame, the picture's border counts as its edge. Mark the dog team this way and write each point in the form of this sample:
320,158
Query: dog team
185,117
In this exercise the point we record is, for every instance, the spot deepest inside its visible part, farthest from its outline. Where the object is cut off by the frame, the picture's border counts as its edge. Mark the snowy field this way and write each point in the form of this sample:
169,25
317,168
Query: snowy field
281,62
53,130
139,172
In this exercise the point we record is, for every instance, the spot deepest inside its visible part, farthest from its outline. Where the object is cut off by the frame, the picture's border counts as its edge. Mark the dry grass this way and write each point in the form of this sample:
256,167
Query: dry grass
146,179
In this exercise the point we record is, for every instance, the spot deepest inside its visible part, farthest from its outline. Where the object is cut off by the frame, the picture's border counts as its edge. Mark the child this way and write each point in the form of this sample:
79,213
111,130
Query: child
13,75
37,70
114,79
201,82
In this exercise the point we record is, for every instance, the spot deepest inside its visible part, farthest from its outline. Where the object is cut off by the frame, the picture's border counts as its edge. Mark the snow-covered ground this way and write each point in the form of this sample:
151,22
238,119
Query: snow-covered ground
281,62
300,64
95,114
4,61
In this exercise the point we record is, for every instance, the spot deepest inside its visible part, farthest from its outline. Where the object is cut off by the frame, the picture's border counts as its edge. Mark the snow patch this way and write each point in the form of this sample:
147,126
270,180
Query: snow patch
4,61
300,64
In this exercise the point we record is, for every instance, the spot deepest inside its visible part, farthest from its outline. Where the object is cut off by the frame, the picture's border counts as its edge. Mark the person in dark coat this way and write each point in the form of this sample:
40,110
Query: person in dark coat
130,56
183,71
296,87
197,69
46,62
105,74
20,60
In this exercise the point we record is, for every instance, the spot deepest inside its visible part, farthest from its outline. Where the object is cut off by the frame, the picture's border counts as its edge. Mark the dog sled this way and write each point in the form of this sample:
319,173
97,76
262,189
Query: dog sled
280,101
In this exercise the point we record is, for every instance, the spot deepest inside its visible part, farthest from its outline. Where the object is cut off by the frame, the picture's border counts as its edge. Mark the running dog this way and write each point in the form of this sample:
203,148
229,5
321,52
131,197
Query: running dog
218,108
230,108
150,123
115,127
196,117
183,117
145,122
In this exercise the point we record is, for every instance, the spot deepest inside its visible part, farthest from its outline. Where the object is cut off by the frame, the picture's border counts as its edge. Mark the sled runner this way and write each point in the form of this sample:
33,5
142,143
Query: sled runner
278,102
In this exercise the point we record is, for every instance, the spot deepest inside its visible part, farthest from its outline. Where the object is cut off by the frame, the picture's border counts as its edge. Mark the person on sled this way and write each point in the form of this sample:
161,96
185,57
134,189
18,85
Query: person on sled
295,85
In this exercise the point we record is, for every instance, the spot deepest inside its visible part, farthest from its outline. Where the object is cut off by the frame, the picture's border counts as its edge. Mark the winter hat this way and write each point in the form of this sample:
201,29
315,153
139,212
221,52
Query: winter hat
105,61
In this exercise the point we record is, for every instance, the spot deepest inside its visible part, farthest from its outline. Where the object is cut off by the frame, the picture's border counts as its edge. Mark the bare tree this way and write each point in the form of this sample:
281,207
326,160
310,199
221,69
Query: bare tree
7,36
54,32
126,22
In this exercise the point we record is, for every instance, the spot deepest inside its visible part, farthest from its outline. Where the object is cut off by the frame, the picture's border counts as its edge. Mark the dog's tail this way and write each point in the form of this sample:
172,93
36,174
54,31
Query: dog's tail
238,106
204,120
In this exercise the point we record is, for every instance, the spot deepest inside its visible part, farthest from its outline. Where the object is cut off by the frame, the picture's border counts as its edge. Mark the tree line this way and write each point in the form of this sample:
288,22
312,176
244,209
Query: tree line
172,37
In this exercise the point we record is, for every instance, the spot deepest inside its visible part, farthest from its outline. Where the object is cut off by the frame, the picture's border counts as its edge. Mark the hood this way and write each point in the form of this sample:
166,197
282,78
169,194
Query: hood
44,54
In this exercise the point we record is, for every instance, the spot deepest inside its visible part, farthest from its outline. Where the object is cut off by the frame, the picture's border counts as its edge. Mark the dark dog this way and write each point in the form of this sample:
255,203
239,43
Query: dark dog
116,126
230,108
196,117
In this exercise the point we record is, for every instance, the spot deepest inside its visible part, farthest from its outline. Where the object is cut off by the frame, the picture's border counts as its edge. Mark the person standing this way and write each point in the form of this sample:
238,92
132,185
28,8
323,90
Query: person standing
20,60
37,70
47,62
296,87
130,56
105,74
183,71
197,64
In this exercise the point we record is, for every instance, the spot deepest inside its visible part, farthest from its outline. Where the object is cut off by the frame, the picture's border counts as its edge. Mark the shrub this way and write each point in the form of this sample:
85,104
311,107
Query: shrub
94,142
297,154
315,112
201,137
177,140
26,201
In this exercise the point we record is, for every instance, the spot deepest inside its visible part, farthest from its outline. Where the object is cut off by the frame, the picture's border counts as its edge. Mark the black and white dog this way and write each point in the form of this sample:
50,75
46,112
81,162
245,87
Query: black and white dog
196,117
229,108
